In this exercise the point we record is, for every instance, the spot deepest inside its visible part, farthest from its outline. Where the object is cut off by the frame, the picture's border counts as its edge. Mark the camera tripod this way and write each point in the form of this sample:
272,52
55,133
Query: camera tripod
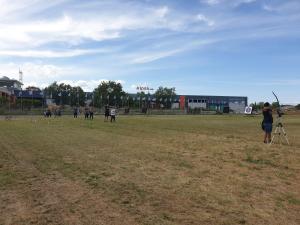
279,132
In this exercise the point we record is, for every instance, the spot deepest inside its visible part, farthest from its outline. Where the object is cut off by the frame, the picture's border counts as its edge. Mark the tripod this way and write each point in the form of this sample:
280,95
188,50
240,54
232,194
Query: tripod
279,131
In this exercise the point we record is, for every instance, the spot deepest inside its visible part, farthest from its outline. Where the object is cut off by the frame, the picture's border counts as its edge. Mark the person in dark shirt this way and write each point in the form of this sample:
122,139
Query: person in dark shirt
106,113
75,112
91,113
86,113
48,113
267,122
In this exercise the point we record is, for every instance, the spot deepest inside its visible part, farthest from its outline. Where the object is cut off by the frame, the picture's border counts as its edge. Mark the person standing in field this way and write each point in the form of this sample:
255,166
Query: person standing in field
106,113
86,113
267,122
75,112
91,113
113,115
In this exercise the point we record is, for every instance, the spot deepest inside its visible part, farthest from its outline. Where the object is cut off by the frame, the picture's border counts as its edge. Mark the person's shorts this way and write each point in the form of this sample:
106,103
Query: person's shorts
268,127
106,114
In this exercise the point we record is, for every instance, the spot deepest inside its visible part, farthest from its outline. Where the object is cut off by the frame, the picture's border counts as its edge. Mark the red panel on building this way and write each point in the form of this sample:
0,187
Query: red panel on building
182,102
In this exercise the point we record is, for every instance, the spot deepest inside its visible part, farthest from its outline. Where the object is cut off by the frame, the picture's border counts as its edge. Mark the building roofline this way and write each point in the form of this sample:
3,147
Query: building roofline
10,81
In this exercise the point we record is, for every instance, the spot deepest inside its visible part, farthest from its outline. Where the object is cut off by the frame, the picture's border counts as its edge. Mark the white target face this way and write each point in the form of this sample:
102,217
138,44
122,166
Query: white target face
248,110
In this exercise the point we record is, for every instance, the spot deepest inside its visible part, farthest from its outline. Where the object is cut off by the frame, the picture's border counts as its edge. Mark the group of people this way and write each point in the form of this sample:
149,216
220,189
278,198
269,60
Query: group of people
56,112
109,112
89,113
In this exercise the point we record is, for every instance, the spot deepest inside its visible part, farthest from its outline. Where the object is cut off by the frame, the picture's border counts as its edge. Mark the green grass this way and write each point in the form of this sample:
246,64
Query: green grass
148,170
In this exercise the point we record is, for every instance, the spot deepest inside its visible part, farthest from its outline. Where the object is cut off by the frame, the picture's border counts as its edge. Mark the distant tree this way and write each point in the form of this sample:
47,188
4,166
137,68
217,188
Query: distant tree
166,95
65,94
260,105
109,92
77,96
52,92
254,106
297,107
143,99
275,104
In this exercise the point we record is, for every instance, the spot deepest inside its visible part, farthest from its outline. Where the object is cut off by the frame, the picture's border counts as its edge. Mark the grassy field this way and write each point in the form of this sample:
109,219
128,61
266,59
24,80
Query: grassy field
147,170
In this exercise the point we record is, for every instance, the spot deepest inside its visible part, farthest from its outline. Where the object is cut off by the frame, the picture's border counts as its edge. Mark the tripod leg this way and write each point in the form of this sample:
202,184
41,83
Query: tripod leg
280,135
285,136
272,141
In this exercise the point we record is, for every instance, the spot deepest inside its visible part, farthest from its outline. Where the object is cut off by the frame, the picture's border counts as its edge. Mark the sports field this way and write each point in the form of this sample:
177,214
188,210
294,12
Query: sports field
147,170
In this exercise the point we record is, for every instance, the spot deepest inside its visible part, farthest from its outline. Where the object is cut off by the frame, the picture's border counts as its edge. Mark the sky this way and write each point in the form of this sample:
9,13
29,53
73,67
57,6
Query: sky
200,47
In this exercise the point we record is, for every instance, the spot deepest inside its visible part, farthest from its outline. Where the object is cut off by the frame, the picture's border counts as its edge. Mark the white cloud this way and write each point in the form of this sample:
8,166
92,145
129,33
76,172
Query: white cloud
211,2
35,70
16,9
147,57
42,75
236,3
227,2
37,73
288,6
50,54
162,12
153,56
202,18
66,29
268,8
74,28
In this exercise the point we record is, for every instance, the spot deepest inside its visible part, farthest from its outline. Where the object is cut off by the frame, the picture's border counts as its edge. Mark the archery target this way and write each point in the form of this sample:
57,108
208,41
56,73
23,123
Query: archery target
248,110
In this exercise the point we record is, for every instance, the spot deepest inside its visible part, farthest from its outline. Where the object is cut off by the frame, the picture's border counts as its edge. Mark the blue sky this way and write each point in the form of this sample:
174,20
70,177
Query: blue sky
211,47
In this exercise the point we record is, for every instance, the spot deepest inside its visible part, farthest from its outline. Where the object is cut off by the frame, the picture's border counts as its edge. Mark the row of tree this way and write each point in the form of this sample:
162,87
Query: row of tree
109,92
260,105
65,94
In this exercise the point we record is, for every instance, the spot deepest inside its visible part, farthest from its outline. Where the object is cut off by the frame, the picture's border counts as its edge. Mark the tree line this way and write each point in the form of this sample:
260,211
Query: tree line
107,92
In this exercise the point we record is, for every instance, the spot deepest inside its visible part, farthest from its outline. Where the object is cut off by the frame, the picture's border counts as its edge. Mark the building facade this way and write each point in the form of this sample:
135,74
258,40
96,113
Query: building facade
218,103
7,87
235,104
11,90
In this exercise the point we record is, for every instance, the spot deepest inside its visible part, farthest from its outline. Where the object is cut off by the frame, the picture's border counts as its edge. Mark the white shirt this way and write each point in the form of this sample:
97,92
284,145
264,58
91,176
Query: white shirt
112,112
